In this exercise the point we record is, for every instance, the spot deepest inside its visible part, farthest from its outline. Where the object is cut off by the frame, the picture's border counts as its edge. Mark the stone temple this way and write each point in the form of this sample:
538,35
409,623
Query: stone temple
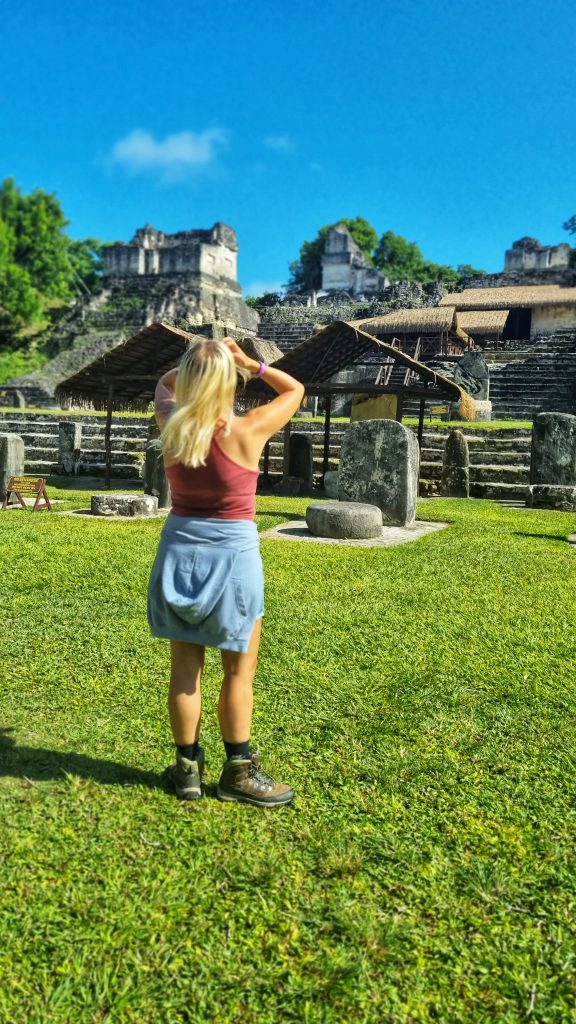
345,267
208,253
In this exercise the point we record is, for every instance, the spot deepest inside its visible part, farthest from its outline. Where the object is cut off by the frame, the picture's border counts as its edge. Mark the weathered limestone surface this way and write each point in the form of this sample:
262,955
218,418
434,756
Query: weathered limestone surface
455,482
123,505
69,447
553,462
301,458
557,497
155,479
379,465
344,520
288,488
11,460
471,373
553,458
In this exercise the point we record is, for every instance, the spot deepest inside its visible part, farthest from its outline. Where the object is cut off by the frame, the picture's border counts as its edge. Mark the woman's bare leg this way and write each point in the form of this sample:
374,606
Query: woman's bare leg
184,695
235,703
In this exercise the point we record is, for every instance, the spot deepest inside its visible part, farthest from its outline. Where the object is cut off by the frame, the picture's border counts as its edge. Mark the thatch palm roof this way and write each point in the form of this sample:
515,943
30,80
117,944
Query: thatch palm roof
511,298
483,321
334,347
134,367
424,320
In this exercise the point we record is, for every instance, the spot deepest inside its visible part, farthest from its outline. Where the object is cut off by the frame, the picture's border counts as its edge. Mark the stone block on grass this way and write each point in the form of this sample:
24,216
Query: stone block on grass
379,465
123,505
155,479
344,520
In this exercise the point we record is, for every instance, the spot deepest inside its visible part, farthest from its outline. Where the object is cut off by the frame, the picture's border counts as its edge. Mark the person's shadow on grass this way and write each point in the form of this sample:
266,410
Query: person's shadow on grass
36,764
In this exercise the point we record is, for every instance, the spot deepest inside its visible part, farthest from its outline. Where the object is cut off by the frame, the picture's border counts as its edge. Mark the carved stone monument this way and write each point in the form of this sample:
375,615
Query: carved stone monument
11,460
379,465
455,481
553,462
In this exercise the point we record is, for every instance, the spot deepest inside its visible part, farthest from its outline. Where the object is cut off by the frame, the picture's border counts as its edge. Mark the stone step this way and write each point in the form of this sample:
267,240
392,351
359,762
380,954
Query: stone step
482,458
499,491
481,473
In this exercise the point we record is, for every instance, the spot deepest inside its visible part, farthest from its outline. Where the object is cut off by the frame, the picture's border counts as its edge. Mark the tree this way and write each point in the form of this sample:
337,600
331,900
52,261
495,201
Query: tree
38,261
306,272
570,225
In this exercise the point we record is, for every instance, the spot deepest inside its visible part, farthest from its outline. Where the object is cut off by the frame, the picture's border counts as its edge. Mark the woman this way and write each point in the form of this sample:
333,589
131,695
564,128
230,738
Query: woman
206,586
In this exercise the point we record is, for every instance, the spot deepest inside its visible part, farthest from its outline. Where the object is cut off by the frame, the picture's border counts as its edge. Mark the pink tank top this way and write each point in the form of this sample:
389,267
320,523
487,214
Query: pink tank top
222,489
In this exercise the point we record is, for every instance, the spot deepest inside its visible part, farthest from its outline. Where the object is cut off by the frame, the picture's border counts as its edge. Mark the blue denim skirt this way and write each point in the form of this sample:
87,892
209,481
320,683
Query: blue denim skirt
207,585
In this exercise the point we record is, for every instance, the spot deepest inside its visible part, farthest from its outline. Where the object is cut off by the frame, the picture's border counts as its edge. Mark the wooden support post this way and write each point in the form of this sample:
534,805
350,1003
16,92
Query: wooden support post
399,406
421,422
108,438
286,455
327,415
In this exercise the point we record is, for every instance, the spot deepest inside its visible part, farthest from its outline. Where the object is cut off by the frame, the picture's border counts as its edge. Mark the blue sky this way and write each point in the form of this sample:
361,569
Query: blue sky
450,123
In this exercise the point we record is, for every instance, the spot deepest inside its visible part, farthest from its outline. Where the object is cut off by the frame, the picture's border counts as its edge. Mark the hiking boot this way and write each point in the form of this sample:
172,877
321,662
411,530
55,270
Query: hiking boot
184,776
245,782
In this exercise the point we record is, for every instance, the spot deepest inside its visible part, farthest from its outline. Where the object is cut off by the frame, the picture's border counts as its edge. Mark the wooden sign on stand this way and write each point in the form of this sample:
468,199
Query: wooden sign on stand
18,486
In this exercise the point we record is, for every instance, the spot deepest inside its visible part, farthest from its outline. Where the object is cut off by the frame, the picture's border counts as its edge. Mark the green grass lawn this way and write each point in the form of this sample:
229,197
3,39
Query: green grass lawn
420,699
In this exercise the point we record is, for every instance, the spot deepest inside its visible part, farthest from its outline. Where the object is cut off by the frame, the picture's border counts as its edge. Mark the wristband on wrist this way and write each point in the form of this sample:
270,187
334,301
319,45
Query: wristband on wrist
262,369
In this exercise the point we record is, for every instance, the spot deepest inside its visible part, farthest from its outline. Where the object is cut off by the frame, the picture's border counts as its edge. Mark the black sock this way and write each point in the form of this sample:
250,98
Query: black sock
237,750
188,750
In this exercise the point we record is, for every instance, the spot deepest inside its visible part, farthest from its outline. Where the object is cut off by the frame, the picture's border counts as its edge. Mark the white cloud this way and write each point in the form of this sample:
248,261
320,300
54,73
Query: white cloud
259,288
280,143
173,156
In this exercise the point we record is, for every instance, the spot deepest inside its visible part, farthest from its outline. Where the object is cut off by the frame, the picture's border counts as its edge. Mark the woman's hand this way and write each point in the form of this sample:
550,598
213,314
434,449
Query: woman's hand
243,362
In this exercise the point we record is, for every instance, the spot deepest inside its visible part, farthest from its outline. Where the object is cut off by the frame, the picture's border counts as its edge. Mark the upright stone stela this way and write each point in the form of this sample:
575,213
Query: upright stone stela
553,462
456,467
379,465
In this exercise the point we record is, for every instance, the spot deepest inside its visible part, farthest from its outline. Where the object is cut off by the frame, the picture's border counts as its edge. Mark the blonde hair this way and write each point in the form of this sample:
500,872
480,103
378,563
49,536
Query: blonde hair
205,387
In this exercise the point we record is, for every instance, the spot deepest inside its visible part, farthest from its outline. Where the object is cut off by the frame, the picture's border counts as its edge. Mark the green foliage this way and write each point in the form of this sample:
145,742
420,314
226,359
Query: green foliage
267,299
38,261
18,362
306,272
570,225
420,699
391,254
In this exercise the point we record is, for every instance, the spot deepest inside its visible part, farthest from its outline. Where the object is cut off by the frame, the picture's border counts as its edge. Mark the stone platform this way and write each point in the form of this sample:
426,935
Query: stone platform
391,535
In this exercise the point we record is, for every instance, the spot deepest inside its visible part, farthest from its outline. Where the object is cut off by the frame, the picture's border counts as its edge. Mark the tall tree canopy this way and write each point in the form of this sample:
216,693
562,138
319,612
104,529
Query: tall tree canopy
38,261
391,254
570,225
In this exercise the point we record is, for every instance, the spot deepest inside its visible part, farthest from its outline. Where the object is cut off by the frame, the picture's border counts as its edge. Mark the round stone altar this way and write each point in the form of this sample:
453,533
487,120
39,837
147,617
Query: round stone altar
123,505
344,520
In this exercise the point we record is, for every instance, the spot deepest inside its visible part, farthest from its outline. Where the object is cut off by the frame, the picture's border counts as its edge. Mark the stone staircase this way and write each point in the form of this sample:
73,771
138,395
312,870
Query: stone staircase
541,378
285,334
499,459
40,435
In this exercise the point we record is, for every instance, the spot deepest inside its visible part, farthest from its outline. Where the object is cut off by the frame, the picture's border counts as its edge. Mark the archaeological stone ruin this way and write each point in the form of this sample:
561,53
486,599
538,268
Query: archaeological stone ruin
379,466
553,462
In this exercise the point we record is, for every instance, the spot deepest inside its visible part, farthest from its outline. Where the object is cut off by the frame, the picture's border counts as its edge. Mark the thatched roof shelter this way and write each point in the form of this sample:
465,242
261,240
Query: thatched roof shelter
511,298
435,323
338,345
133,367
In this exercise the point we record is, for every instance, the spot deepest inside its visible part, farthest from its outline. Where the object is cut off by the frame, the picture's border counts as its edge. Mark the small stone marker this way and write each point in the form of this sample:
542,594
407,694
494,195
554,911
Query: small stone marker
331,483
123,505
69,447
379,465
301,458
155,479
455,467
553,462
344,520
11,460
